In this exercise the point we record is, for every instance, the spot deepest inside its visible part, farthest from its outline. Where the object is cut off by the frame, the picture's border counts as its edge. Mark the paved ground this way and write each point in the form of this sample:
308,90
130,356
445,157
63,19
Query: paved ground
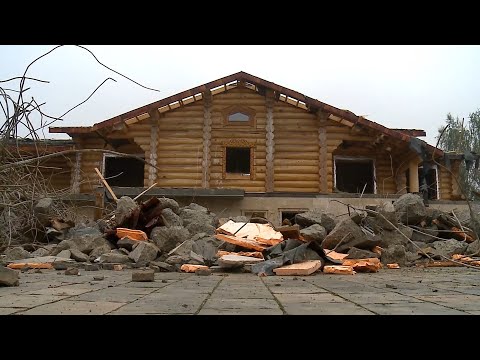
443,291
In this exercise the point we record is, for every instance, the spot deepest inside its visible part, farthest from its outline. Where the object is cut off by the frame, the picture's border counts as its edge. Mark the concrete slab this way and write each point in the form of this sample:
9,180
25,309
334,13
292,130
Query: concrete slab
28,301
69,307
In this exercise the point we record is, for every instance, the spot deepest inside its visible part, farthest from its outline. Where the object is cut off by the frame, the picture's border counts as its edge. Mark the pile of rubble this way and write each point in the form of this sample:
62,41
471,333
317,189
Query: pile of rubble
161,235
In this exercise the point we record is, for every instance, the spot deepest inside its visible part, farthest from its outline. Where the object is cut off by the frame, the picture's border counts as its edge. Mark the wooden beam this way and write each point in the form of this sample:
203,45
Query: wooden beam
270,142
323,152
152,156
106,184
207,136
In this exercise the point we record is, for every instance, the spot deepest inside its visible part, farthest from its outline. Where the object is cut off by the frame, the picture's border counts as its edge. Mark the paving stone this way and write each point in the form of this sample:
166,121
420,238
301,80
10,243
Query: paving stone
143,275
69,307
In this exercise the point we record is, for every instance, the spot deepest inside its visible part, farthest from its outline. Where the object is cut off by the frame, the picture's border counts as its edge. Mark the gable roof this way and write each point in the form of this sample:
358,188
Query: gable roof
195,94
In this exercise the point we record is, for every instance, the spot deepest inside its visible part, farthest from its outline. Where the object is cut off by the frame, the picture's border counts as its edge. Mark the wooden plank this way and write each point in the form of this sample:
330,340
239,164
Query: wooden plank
106,185
304,268
248,244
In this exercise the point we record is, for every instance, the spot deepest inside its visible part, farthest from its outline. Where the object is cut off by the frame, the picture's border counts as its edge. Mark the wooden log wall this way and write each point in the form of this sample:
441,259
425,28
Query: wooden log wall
296,149
223,133
180,147
89,161
57,171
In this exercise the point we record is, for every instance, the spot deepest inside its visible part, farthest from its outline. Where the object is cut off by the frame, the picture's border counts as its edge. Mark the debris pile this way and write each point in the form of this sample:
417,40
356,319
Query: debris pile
161,235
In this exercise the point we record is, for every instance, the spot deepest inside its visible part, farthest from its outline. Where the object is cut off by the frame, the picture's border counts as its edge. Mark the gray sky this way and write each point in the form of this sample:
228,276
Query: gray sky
396,86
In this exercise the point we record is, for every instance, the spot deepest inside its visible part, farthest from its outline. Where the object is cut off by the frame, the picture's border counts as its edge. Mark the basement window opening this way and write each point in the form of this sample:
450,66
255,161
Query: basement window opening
131,171
238,160
288,217
355,175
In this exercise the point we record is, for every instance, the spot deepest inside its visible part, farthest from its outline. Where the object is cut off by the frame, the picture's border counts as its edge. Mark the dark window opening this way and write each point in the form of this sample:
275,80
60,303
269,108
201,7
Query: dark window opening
131,170
430,184
288,217
238,117
353,176
237,160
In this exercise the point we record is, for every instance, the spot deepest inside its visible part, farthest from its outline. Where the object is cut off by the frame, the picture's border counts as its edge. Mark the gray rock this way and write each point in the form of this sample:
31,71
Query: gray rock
143,275
410,209
61,265
144,252
394,254
183,249
356,217
206,246
431,230
169,203
167,238
40,252
84,243
351,234
170,218
196,228
114,258
412,248
387,210
65,254
394,237
125,205
163,266
355,253
449,247
81,230
63,245
8,277
239,218
121,251
99,277
100,250
411,257
180,260
203,272
473,248
17,253
197,258
77,255
316,216
195,207
431,214
71,271
92,267
314,232
43,210
126,243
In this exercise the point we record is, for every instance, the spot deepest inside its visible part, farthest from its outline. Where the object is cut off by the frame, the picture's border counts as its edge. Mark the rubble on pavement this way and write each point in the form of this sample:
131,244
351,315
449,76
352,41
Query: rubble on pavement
160,235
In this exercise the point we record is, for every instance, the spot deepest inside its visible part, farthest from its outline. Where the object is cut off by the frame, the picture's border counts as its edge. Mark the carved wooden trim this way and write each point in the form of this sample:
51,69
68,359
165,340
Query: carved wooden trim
270,145
242,109
238,143
207,136
152,156
323,152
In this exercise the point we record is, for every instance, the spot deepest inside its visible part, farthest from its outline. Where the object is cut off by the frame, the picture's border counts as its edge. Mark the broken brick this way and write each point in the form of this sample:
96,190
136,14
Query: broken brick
143,275
338,269
192,268
393,266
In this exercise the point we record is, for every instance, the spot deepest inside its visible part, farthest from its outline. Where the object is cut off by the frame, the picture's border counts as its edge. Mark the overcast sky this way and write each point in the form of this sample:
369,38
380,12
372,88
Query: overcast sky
396,86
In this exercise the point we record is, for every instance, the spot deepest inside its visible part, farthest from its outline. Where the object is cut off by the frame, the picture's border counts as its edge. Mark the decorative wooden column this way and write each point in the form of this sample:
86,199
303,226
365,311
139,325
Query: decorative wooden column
207,136
413,176
152,156
270,143
323,152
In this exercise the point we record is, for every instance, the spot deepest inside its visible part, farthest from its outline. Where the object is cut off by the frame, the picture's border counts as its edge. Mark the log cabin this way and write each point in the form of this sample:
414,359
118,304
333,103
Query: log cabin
241,145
